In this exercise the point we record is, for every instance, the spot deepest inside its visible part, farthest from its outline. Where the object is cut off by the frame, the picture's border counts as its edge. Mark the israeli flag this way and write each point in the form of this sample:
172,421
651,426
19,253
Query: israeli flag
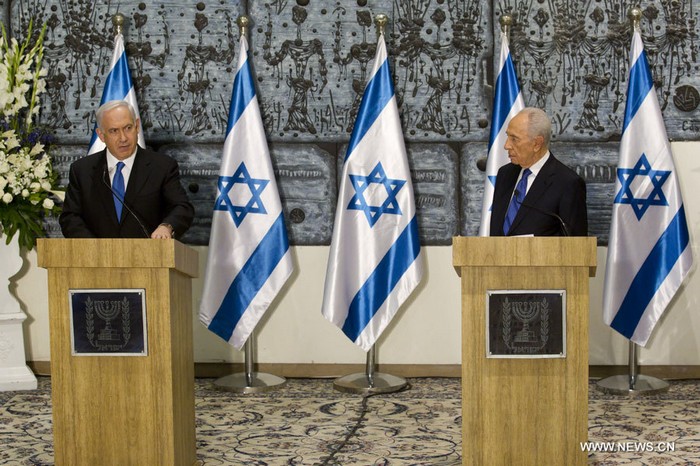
374,262
507,102
649,254
118,86
249,258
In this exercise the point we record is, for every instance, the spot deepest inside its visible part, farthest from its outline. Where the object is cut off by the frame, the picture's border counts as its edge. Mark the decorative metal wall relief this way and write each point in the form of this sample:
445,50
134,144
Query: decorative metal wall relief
435,177
306,179
471,186
181,57
595,163
572,60
310,86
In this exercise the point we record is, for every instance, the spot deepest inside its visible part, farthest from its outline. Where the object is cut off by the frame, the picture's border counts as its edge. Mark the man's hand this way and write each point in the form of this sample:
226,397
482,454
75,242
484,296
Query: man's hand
164,231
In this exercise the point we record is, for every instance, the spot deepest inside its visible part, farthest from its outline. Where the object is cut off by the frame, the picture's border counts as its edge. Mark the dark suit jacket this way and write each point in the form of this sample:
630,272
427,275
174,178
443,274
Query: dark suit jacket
154,193
556,190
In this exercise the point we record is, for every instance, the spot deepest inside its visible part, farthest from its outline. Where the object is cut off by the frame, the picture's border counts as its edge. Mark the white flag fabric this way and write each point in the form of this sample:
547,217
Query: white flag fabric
374,262
649,254
507,102
249,258
118,86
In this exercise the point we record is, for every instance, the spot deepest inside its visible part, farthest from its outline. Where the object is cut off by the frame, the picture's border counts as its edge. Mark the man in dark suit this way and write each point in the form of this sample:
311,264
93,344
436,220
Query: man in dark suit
547,197
154,203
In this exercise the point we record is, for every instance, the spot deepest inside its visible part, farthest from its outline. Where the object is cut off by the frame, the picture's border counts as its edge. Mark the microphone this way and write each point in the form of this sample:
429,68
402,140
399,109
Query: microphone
105,180
564,228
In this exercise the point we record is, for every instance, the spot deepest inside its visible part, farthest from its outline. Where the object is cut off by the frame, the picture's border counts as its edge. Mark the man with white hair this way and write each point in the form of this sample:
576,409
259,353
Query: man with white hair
124,191
536,194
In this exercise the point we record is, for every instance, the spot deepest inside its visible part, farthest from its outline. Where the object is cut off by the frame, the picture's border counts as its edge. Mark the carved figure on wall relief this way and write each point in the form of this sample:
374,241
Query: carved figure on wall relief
362,53
194,84
300,78
77,39
140,52
440,56
572,57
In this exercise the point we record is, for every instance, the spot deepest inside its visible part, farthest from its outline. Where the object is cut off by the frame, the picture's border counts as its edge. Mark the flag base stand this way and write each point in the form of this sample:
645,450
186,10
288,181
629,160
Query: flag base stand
253,382
370,382
366,384
632,383
249,381
642,385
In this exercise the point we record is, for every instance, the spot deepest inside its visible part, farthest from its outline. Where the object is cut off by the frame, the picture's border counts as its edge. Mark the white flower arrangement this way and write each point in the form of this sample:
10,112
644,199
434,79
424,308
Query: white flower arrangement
27,178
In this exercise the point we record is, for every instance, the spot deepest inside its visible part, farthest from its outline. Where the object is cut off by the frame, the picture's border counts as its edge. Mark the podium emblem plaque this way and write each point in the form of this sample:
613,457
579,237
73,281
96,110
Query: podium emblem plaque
108,322
526,324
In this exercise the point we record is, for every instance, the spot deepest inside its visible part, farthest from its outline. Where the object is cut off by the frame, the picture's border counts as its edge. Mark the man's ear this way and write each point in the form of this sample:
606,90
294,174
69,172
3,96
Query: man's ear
100,134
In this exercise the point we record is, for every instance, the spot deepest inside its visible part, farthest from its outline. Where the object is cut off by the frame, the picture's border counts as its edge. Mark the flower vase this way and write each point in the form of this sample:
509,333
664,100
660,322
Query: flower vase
14,372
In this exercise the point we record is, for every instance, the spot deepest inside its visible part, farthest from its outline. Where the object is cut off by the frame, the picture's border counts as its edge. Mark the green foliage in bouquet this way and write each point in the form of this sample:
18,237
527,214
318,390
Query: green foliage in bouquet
27,178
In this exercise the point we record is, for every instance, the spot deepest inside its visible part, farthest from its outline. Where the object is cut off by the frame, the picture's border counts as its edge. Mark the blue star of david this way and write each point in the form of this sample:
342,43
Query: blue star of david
254,205
374,212
657,178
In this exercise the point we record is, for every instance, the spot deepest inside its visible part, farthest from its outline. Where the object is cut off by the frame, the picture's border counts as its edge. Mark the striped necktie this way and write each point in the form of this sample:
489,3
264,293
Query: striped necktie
118,187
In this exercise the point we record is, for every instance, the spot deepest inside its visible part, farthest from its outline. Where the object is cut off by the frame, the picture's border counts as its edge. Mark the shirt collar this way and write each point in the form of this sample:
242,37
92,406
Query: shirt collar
537,166
112,160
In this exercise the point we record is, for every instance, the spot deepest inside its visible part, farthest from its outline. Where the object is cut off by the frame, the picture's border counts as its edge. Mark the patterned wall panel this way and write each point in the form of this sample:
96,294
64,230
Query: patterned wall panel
572,59
312,60
181,56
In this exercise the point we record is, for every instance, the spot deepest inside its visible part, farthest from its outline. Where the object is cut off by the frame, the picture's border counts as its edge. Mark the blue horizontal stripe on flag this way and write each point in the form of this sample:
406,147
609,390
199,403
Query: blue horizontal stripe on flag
507,90
382,280
651,275
640,84
250,279
243,92
378,93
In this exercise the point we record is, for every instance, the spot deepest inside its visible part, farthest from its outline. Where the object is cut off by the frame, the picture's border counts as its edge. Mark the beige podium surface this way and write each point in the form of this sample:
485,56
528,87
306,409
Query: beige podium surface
524,411
123,410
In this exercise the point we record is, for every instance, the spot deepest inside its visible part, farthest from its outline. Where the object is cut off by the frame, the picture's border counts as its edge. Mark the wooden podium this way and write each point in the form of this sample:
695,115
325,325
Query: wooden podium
122,409
530,410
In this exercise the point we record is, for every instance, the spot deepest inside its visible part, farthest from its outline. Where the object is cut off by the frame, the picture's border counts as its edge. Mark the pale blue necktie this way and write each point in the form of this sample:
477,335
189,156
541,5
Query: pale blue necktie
516,201
118,187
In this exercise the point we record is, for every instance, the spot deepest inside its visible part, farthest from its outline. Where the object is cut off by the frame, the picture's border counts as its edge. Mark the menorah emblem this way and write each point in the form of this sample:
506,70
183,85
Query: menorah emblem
108,311
525,312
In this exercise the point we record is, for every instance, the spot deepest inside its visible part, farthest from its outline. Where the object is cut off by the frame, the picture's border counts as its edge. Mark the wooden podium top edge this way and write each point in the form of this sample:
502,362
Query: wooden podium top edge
117,253
534,251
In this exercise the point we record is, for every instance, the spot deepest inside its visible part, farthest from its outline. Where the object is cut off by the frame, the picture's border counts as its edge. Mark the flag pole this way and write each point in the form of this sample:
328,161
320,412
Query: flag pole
633,383
249,381
371,381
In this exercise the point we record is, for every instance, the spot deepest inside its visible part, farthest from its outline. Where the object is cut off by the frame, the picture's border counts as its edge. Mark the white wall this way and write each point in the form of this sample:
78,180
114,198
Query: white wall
427,329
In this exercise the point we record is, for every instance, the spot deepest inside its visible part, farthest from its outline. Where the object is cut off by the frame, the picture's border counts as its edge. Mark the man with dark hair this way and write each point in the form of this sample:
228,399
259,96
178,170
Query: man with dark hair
536,194
124,191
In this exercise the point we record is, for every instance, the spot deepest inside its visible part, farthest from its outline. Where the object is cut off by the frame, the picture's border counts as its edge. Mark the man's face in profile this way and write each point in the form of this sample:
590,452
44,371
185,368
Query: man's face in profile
119,132
523,149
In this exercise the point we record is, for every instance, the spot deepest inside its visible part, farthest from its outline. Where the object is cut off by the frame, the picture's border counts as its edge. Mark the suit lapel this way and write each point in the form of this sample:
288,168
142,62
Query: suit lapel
138,177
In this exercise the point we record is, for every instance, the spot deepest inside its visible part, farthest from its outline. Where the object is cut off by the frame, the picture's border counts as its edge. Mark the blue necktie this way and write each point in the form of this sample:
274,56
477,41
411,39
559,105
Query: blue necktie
516,201
118,187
